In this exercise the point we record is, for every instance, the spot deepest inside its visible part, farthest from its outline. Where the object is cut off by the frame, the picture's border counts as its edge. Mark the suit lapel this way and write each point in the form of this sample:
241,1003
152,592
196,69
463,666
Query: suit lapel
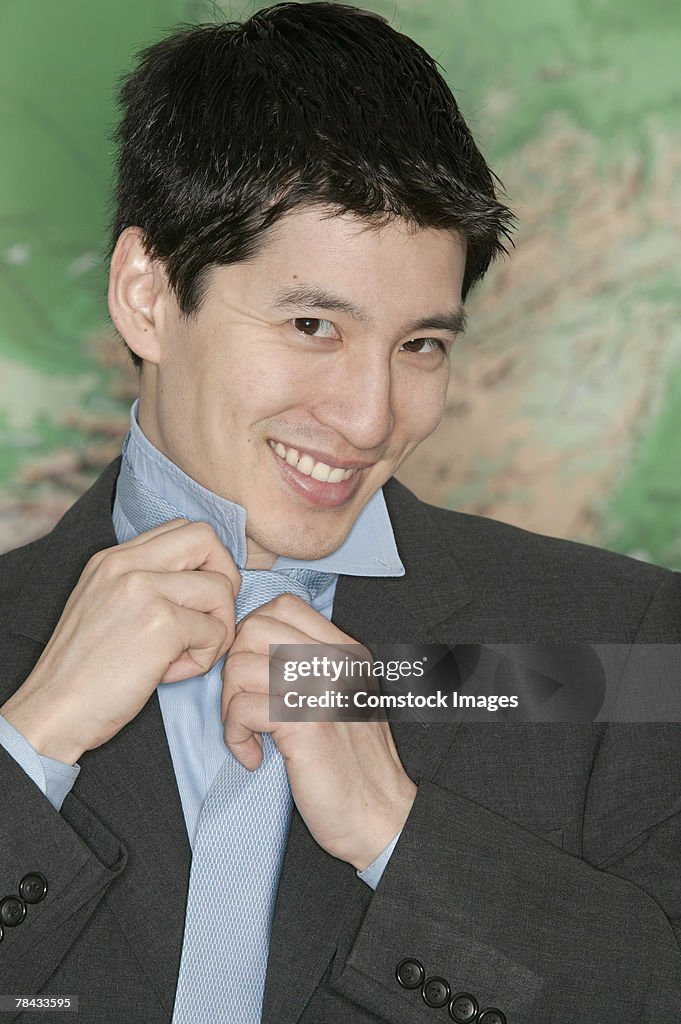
318,895
129,782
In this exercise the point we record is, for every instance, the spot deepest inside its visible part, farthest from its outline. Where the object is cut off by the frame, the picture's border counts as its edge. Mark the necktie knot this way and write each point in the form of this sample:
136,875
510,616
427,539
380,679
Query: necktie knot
258,586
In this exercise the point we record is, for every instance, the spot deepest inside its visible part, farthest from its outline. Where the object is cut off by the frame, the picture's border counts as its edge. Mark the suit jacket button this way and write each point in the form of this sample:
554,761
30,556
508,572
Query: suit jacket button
463,1008
410,973
33,887
491,1016
436,992
1,933
12,911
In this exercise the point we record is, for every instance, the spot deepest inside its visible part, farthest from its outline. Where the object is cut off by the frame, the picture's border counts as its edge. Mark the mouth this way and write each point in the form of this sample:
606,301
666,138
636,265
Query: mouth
323,483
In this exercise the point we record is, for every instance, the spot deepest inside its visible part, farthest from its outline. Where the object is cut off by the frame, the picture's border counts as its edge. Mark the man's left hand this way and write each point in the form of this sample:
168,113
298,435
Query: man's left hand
346,777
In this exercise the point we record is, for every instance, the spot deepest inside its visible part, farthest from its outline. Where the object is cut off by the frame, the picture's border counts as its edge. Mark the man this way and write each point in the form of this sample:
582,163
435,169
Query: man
301,212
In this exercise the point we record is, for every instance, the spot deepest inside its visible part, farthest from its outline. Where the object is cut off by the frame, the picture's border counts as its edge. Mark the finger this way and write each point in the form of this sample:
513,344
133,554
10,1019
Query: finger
262,630
247,714
99,556
290,609
262,633
200,643
248,662
175,548
209,592
243,672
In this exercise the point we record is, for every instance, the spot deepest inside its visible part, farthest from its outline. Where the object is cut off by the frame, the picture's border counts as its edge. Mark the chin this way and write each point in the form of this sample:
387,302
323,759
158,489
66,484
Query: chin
309,549
303,544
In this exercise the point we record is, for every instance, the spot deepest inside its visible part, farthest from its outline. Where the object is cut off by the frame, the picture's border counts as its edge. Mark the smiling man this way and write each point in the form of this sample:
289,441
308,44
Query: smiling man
301,212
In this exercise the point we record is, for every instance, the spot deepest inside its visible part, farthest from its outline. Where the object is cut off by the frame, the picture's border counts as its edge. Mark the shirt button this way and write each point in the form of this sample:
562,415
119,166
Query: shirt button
12,911
436,992
410,973
491,1016
463,1008
33,887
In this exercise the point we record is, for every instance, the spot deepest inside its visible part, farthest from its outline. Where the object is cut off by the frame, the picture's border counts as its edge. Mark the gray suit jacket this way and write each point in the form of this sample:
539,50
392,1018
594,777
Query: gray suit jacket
539,871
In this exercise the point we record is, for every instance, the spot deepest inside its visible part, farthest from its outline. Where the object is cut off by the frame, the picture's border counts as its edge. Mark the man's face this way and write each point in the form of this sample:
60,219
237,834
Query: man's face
310,373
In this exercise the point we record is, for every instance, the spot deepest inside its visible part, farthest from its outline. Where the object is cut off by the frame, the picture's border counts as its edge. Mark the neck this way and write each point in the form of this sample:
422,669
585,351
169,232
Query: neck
257,558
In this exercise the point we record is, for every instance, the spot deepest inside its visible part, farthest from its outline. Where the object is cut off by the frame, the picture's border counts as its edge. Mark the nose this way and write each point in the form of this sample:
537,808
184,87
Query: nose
355,399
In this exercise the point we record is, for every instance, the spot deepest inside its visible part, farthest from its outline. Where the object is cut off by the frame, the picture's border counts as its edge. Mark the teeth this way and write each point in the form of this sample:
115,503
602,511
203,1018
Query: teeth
306,464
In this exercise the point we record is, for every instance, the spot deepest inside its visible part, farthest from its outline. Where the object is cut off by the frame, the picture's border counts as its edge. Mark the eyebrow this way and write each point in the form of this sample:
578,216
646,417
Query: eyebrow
306,296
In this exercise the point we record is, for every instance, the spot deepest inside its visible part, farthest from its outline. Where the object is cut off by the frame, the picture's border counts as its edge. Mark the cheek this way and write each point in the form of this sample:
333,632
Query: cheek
254,392
421,404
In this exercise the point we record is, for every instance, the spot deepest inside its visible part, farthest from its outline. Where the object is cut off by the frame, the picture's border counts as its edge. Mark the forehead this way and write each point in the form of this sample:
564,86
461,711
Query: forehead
316,230
393,263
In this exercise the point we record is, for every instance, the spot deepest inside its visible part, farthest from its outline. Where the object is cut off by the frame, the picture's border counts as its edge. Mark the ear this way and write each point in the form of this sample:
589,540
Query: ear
138,296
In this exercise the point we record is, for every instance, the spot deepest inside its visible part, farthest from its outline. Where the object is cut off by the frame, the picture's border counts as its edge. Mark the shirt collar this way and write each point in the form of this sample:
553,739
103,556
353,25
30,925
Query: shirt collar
368,550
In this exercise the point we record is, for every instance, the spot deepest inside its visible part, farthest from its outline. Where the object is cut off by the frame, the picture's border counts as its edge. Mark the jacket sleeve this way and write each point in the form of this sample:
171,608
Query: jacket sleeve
76,856
523,926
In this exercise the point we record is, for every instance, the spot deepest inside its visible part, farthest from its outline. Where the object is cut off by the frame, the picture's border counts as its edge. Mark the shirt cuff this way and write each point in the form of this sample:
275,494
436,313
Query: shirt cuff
373,874
53,778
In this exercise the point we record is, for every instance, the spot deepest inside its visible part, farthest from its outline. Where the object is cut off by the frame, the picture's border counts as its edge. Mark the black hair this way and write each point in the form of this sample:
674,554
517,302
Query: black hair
227,127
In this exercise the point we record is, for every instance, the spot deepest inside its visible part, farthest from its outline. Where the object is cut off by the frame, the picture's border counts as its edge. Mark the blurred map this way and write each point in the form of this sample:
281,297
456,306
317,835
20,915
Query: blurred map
564,411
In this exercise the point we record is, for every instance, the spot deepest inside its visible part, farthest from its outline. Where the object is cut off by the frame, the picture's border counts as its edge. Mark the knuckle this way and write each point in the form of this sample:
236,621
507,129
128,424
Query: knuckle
253,631
239,704
204,531
155,616
102,562
234,579
236,668
226,584
246,627
286,602
204,659
94,560
221,632
132,585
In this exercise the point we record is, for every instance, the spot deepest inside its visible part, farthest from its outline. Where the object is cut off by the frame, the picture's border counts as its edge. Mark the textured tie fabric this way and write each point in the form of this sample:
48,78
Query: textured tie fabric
238,853
241,835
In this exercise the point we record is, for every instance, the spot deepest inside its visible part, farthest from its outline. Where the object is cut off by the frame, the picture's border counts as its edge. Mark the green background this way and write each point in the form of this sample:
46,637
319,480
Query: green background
564,414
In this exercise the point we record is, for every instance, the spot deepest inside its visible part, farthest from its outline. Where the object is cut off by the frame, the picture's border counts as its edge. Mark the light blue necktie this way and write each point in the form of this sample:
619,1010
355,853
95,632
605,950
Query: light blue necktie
241,834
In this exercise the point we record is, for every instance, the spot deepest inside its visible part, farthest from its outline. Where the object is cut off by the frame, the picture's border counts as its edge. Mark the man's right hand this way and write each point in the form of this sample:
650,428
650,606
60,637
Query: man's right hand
139,615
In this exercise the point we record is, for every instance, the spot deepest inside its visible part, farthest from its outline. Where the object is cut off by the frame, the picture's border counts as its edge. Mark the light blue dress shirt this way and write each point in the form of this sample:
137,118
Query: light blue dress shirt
191,707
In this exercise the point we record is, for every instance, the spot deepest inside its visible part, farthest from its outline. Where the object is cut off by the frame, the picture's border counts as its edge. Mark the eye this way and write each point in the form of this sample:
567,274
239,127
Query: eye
433,344
314,327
